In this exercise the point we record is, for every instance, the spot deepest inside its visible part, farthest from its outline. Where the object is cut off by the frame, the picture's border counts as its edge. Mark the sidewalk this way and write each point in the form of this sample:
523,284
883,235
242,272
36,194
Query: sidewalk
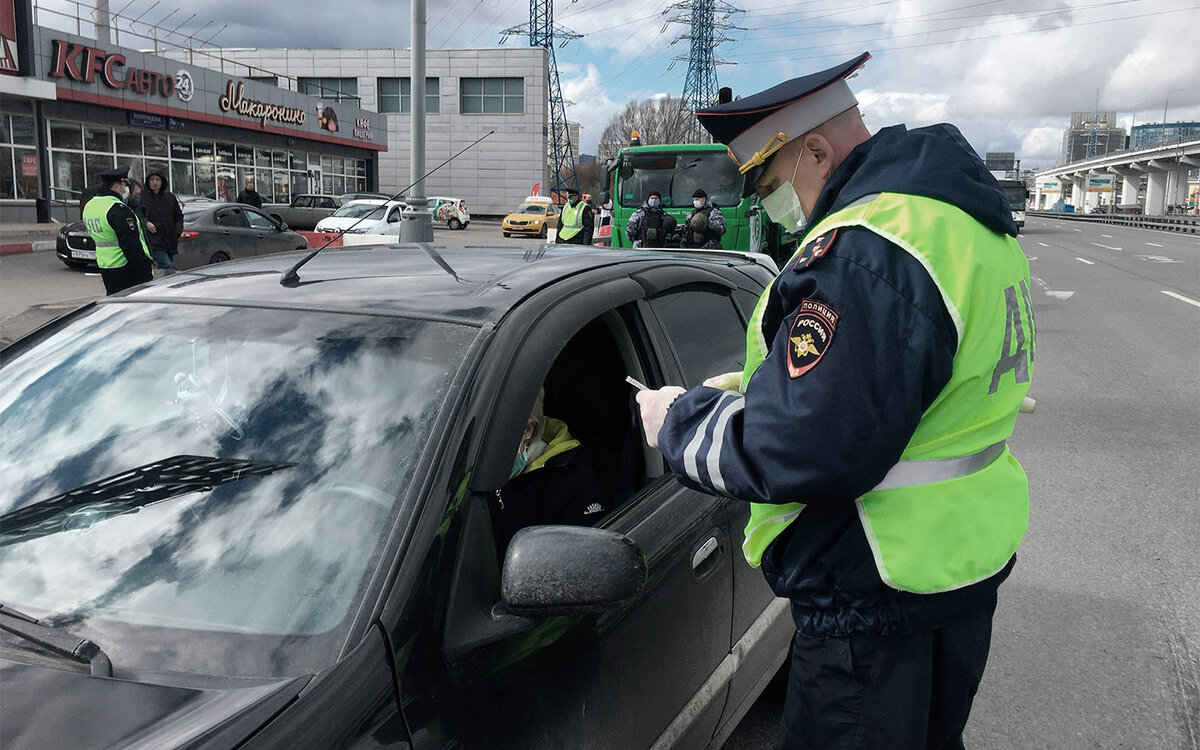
27,238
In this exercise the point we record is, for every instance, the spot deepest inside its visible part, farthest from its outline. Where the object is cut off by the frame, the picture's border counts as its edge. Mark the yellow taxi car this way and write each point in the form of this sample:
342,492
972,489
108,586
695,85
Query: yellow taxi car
533,217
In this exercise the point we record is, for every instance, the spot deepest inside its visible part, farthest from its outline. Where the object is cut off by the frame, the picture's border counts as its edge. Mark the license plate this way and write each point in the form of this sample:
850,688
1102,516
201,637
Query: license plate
83,254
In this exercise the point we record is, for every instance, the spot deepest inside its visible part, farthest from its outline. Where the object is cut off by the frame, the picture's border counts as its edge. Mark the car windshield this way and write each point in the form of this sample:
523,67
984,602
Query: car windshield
531,208
676,175
203,488
359,210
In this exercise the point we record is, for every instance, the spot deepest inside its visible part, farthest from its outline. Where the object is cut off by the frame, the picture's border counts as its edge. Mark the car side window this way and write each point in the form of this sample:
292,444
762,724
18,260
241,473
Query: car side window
705,331
327,203
231,217
304,201
586,405
394,215
259,221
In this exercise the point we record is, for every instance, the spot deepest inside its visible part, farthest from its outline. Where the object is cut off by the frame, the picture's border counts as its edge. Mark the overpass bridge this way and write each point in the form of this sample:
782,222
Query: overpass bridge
1120,174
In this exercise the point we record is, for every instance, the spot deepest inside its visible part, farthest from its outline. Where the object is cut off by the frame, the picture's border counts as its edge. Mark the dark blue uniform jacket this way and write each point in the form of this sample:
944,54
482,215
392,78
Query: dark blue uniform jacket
826,436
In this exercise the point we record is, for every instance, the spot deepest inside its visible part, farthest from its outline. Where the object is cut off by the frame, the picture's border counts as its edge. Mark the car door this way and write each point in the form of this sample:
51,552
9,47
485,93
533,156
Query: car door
232,235
302,212
653,670
269,238
762,624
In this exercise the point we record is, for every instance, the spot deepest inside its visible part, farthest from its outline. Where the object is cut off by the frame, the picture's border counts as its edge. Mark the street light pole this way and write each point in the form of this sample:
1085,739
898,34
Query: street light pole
416,223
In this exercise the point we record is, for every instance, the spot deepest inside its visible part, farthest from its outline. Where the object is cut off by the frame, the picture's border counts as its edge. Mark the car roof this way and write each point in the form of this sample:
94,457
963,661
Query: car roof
468,284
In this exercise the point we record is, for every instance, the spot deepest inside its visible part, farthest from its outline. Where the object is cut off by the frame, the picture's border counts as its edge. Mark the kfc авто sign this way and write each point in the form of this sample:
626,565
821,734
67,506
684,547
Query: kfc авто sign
79,62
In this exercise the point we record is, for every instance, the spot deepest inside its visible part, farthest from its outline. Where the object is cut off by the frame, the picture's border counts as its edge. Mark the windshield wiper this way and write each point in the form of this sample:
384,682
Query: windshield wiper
128,492
55,640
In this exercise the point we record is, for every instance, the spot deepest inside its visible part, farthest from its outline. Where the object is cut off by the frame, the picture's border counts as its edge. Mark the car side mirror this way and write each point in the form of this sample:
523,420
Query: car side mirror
568,570
604,197
281,225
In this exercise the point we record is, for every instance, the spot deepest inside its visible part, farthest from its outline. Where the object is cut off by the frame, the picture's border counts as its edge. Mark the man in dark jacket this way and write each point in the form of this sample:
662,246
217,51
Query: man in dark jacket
554,481
650,225
163,219
885,368
250,196
705,225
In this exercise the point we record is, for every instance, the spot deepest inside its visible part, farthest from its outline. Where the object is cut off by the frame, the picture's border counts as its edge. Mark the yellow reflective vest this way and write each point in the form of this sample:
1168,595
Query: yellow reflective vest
108,246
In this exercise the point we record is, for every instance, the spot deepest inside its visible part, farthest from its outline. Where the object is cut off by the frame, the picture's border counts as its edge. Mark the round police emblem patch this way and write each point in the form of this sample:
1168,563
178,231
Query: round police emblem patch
810,336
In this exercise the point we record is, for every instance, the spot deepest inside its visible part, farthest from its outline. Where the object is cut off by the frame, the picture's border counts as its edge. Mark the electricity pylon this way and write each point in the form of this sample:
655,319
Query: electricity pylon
706,31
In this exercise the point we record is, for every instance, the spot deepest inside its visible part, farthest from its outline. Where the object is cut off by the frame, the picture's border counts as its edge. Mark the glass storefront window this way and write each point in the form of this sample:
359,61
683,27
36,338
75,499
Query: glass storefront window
183,178
94,164
224,153
279,159
5,131
203,151
206,183
262,157
245,156
8,185
68,181
156,144
129,142
66,135
283,187
227,182
339,184
299,183
97,139
299,160
181,147
23,131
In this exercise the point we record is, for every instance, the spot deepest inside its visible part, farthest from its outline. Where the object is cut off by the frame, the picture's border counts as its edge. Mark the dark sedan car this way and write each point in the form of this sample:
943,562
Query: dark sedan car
212,232
245,509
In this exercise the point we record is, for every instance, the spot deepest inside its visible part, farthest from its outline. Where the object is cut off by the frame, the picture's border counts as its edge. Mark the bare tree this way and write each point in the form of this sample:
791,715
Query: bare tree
662,120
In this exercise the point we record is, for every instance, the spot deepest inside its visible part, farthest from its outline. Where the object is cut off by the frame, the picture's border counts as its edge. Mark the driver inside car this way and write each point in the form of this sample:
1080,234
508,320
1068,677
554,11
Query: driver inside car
554,480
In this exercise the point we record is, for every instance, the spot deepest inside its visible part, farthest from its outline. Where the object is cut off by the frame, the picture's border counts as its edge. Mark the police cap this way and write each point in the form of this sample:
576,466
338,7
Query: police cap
756,126
116,173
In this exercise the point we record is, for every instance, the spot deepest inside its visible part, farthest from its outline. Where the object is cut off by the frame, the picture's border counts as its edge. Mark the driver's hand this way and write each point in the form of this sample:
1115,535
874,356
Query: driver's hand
654,405
730,381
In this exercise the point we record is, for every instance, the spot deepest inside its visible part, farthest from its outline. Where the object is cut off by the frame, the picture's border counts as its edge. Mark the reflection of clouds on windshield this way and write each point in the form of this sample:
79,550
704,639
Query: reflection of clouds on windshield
349,403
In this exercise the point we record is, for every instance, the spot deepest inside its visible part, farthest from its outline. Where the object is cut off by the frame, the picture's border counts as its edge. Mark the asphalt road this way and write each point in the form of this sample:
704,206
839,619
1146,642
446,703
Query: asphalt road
1097,635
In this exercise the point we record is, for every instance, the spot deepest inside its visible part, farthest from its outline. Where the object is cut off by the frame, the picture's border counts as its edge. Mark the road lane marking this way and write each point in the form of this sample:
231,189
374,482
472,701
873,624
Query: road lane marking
1106,247
1181,298
1078,230
1107,236
1153,244
1043,244
1084,260
1050,292
1157,259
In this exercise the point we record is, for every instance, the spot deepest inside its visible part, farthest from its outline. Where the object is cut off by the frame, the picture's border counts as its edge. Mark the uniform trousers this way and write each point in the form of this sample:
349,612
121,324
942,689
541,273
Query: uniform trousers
894,692
119,279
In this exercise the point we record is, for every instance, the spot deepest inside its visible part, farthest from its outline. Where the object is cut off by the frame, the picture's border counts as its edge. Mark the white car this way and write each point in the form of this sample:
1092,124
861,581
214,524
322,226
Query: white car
368,216
449,211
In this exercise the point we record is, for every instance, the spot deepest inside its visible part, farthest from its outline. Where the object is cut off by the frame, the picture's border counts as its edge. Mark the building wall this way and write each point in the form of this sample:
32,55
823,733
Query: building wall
492,176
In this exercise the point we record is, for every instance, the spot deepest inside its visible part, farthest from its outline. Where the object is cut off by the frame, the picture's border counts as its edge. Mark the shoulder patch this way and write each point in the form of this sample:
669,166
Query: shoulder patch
810,336
132,222
814,250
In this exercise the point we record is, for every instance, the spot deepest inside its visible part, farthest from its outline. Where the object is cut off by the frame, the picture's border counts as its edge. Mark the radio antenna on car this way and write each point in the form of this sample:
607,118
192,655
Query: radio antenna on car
292,278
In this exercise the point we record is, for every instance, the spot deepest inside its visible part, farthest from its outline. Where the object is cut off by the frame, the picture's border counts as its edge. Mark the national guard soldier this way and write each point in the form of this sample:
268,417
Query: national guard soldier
121,249
705,225
884,370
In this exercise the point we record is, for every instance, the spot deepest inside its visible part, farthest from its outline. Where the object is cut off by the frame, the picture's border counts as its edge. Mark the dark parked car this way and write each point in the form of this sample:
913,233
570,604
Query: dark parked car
258,514
212,232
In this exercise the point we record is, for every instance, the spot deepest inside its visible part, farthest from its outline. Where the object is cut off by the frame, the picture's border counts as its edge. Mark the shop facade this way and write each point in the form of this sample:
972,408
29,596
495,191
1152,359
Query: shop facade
208,130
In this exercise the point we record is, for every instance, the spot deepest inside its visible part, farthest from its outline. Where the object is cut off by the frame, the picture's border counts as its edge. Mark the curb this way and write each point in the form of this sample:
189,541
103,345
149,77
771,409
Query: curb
18,248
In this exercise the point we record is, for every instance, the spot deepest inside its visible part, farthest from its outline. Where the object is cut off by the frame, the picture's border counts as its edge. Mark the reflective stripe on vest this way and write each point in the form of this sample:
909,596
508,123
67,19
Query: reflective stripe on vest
572,217
108,246
956,506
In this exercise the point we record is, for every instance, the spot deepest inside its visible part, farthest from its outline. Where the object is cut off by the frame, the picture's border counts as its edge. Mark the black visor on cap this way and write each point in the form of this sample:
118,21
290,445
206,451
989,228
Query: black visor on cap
752,177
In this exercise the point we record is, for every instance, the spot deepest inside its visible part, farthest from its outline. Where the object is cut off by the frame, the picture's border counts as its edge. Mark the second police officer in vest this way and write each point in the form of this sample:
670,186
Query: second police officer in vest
121,249
575,225
650,225
705,225
884,370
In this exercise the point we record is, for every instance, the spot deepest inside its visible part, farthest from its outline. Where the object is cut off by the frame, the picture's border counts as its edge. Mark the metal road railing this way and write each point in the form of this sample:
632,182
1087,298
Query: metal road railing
1185,224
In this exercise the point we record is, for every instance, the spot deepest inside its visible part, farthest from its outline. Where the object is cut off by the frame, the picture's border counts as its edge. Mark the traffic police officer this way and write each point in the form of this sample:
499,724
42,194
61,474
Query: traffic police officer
884,370
121,249
577,221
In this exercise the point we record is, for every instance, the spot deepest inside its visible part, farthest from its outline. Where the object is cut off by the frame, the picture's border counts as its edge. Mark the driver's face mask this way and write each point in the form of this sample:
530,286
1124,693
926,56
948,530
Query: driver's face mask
783,205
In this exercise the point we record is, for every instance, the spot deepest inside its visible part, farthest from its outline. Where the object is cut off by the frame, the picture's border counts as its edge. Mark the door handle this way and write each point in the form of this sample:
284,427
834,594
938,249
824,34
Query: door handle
705,557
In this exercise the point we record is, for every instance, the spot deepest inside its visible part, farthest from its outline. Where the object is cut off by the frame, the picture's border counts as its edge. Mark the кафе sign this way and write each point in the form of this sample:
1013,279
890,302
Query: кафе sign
79,62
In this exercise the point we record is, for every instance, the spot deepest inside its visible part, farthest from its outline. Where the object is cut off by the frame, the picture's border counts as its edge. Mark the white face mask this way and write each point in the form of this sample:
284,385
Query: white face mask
783,205
698,203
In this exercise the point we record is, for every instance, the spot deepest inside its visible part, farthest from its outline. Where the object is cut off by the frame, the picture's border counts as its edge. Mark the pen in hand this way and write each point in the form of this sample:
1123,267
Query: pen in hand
636,384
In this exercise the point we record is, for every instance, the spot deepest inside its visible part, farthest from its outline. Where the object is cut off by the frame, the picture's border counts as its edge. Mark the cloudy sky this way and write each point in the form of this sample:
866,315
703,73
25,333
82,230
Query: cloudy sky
1007,72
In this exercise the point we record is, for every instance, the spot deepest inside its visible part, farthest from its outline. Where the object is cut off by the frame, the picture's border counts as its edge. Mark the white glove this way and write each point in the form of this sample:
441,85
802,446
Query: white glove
730,381
654,410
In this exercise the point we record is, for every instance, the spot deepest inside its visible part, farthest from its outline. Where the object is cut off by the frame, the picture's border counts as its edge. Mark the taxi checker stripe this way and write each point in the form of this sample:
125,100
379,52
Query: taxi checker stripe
913,473
692,451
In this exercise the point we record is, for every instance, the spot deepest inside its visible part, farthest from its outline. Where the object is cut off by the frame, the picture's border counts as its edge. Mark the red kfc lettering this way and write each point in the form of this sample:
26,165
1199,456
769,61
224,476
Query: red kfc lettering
66,60
110,78
95,63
